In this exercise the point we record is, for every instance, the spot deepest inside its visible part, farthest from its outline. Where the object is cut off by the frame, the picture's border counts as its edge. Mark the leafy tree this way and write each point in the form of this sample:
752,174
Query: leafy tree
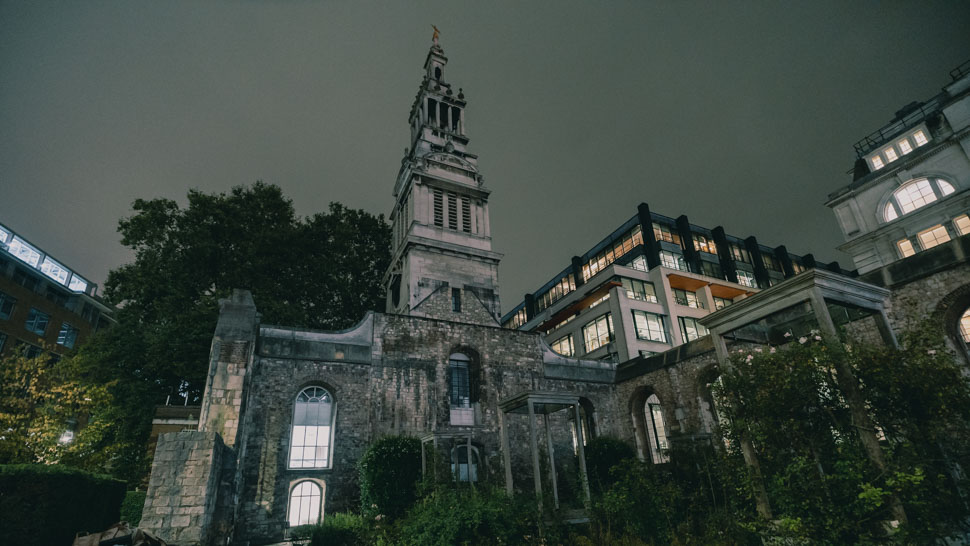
48,415
821,480
323,271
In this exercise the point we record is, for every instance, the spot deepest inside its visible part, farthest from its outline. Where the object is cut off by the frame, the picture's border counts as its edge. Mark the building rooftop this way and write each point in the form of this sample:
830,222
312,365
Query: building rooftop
31,255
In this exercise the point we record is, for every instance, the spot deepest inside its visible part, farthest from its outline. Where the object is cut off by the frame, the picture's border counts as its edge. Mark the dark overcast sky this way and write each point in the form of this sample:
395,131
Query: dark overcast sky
741,114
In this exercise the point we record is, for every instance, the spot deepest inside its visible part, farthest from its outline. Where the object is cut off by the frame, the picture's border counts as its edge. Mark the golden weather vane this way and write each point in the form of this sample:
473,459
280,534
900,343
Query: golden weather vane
434,38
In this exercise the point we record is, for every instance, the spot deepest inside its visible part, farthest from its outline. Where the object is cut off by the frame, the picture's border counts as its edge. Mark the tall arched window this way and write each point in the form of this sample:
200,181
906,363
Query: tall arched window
656,430
459,395
311,440
305,500
463,467
915,194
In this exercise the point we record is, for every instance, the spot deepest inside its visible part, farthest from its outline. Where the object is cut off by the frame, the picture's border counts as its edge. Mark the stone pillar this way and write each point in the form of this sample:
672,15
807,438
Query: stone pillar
182,502
230,359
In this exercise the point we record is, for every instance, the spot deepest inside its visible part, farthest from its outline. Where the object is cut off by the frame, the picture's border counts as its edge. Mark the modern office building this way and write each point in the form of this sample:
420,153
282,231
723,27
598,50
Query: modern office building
44,305
642,289
918,159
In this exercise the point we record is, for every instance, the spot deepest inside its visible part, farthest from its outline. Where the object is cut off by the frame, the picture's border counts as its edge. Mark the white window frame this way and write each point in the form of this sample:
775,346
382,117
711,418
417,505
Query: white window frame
312,515
316,462
933,236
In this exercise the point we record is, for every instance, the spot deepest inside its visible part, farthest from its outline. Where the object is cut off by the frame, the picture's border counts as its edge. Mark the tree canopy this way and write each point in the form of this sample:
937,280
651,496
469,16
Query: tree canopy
323,271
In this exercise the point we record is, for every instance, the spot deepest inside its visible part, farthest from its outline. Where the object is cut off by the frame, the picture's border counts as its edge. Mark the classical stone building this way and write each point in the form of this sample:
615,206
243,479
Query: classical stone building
288,412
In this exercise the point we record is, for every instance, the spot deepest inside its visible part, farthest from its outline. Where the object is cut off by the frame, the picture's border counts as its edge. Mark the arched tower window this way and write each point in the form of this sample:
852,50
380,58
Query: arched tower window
306,499
459,394
311,441
656,430
915,194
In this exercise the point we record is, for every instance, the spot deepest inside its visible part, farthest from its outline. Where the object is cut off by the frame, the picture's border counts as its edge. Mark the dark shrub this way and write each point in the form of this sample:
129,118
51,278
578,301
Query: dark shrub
602,454
132,507
336,530
482,516
389,473
49,504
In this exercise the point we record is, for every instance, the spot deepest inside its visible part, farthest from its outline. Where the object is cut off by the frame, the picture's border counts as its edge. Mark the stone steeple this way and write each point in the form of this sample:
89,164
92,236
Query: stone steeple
442,262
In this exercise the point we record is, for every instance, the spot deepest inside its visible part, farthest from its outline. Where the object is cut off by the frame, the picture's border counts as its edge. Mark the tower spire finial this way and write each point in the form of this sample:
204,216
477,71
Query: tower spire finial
434,37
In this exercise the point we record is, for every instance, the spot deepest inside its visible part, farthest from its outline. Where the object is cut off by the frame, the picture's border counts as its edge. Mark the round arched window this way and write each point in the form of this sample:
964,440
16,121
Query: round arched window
915,194
305,501
312,431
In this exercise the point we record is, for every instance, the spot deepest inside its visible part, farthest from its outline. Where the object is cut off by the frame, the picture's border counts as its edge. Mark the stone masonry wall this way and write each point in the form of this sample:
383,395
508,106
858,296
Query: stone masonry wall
403,389
181,505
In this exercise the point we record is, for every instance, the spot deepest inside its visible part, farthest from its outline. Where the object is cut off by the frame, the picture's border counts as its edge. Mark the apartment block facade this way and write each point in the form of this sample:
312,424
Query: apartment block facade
44,305
641,290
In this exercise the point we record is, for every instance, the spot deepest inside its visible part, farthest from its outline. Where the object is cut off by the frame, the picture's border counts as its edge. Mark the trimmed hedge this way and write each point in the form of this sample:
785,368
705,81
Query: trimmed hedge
389,473
132,507
49,504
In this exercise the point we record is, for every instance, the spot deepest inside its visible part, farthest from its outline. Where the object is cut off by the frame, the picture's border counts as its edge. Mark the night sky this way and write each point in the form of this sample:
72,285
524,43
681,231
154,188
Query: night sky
741,114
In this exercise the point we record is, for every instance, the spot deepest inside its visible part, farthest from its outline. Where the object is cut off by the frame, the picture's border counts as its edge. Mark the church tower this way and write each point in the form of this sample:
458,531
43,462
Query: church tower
442,263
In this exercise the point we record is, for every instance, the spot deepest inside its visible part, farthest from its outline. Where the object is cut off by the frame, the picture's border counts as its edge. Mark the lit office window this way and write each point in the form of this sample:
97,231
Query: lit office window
7,303
518,319
639,290
564,346
649,326
37,322
598,332
905,247
67,336
936,235
877,162
54,270
558,290
920,138
639,263
22,250
663,232
914,195
78,284
904,146
721,303
962,224
704,244
890,155
672,261
746,279
688,299
691,329
612,252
